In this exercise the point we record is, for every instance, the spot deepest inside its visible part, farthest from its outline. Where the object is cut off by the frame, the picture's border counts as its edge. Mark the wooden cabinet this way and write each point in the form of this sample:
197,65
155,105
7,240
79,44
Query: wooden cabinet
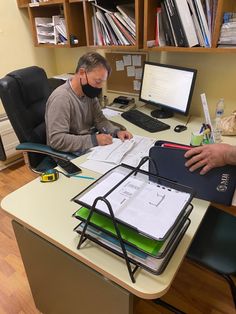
78,22
23,3
73,20
150,10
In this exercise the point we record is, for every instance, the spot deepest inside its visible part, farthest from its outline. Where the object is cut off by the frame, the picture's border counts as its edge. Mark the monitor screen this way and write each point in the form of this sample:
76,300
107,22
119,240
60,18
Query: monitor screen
168,87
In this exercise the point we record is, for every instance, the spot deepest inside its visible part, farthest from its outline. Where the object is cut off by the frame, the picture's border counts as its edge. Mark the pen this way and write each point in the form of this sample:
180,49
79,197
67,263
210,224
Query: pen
104,131
83,177
203,127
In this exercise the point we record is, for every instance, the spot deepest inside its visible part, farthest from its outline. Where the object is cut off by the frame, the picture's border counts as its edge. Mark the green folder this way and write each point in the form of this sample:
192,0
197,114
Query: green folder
129,235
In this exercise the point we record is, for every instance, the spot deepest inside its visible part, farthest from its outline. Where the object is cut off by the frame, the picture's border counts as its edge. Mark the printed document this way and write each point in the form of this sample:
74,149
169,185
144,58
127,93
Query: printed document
130,152
147,206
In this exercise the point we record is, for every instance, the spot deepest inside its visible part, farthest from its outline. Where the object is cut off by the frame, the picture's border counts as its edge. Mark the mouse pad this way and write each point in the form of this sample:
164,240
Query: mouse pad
218,185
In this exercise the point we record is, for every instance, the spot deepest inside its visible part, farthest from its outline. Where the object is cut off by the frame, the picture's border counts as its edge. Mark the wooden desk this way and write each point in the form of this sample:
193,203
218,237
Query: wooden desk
64,279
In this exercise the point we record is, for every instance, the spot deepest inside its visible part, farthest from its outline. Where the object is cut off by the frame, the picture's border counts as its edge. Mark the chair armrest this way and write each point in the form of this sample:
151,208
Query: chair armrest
45,149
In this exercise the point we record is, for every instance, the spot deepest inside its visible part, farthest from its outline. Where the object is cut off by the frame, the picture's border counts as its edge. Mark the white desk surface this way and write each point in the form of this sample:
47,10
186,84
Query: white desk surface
46,209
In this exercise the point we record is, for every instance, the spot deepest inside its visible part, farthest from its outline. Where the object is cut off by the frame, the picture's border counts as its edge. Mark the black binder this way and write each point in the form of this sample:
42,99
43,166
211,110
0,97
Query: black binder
218,185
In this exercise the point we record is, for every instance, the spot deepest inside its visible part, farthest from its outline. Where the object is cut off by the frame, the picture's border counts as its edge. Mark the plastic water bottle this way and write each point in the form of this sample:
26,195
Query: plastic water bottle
218,116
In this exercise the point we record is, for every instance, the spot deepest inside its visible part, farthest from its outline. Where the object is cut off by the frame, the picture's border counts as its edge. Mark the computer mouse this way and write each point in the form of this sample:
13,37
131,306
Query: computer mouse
180,128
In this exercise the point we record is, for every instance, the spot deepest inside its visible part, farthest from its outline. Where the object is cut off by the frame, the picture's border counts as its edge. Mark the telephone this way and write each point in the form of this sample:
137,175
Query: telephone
122,103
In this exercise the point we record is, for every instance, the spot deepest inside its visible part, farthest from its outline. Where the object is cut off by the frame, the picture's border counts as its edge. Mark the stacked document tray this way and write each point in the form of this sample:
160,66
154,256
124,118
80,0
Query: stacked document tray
136,215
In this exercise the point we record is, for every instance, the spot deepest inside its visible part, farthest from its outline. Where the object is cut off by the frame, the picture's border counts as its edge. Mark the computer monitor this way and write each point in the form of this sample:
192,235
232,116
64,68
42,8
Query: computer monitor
168,87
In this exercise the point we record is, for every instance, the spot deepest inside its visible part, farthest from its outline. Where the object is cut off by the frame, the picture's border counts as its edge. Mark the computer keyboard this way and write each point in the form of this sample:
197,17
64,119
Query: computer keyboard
144,121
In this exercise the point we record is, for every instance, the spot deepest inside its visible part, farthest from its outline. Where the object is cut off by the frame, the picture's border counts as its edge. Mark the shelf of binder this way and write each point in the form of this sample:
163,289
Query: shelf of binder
182,24
115,25
51,30
137,215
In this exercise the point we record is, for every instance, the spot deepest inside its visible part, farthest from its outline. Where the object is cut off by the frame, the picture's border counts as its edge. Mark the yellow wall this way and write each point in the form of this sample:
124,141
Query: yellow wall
215,77
16,48
216,72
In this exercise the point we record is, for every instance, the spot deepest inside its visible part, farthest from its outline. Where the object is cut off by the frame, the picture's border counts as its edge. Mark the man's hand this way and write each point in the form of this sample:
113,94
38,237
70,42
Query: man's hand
104,139
124,135
207,157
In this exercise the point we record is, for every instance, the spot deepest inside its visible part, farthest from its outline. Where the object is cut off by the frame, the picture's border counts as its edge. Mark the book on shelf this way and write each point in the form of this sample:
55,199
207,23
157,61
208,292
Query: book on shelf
202,22
169,39
108,36
122,19
177,23
213,6
159,36
128,11
168,15
208,12
123,30
116,29
187,22
110,27
196,23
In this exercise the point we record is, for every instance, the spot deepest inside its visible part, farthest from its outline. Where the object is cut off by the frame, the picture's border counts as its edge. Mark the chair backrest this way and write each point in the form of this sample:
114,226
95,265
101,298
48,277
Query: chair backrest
24,93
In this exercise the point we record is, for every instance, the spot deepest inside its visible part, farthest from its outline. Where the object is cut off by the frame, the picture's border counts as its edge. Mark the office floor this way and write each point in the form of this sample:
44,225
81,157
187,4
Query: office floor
194,289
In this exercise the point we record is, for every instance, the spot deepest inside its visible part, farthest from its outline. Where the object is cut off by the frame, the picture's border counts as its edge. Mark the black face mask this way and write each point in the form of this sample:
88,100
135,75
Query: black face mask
89,90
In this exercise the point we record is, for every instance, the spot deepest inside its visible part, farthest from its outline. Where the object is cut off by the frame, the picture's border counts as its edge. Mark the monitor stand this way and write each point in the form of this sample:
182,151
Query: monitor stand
162,113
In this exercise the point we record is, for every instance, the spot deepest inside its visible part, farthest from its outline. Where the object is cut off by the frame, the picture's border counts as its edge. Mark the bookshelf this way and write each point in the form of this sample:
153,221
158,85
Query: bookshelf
78,19
138,7
73,21
150,8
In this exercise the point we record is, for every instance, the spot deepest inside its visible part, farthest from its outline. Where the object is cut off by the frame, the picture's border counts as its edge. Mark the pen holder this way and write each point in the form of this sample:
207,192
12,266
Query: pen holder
196,139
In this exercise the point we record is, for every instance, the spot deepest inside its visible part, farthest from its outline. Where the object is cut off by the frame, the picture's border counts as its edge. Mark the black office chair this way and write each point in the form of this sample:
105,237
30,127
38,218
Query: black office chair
24,93
214,245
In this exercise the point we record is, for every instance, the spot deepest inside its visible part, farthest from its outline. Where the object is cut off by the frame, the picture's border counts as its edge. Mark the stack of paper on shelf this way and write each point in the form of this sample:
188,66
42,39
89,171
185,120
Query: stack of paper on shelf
228,30
51,30
151,217
45,30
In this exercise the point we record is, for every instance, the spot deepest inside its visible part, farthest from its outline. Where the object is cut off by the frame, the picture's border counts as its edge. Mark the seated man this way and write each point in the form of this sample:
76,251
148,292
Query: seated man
73,110
210,156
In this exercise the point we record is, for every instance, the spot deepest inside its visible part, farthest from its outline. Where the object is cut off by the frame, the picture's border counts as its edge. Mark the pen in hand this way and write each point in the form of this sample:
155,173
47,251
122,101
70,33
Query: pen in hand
105,131
104,138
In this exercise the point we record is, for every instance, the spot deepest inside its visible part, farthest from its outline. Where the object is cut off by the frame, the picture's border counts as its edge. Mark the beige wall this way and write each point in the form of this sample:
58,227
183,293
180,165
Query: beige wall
16,48
216,72
215,77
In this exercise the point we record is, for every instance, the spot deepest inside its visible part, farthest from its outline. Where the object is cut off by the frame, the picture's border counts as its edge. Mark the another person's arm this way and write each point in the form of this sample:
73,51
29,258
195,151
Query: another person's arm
210,156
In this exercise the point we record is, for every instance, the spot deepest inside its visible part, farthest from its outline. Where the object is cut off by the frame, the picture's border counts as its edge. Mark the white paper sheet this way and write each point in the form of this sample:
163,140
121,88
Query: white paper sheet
108,113
149,207
98,161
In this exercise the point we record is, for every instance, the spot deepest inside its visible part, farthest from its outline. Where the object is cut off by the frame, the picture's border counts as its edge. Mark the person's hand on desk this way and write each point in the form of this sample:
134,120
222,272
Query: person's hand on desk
124,135
104,139
210,156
